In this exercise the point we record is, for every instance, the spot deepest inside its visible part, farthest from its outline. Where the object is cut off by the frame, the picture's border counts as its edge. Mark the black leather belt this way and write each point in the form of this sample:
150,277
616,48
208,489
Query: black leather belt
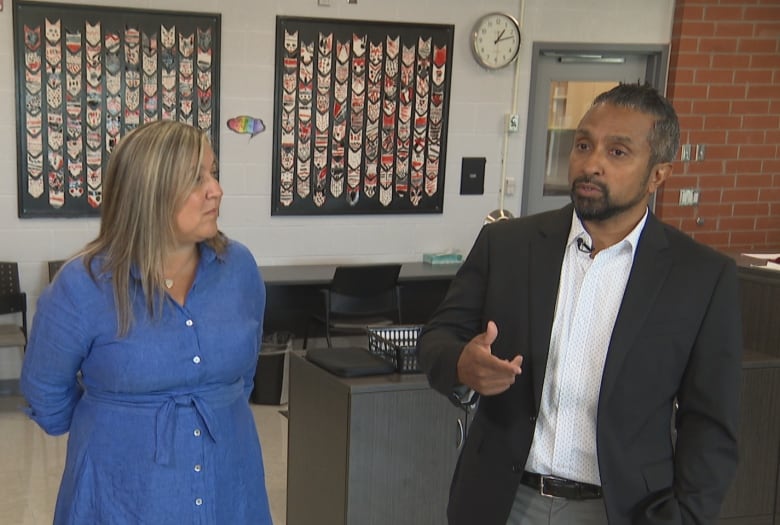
553,487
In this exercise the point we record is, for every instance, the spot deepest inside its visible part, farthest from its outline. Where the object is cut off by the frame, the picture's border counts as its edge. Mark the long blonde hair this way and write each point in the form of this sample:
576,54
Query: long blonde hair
150,174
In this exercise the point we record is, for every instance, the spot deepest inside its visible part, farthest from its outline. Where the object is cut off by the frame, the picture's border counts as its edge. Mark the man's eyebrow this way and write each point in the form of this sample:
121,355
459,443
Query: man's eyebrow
626,139
622,138
582,132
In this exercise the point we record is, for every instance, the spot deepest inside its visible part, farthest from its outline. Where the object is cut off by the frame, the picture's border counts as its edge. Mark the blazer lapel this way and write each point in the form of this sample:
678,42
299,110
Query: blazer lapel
546,258
652,263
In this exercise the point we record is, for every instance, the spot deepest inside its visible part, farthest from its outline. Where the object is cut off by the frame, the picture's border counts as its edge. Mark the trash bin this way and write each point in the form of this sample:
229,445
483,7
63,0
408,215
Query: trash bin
270,386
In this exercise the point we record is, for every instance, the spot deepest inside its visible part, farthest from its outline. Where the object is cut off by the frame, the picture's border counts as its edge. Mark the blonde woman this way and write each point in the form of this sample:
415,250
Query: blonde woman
145,345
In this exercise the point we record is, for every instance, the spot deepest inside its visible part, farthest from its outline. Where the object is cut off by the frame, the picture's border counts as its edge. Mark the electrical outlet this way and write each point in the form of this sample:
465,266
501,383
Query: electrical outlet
323,3
689,197
513,123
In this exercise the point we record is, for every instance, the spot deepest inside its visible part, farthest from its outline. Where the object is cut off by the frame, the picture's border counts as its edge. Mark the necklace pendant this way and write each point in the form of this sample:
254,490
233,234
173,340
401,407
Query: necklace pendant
169,283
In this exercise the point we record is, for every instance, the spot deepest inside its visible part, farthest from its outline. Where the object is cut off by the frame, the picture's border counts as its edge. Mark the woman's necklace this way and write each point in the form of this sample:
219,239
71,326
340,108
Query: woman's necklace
170,281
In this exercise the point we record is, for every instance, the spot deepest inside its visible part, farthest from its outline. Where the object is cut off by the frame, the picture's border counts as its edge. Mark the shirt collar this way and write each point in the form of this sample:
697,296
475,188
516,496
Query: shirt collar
577,231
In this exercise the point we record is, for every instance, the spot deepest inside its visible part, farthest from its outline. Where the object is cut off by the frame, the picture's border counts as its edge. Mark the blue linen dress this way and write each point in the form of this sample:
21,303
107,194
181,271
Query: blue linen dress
160,426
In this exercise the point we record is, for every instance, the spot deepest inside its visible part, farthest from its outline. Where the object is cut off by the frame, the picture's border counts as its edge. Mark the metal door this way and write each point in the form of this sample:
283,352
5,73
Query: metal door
565,79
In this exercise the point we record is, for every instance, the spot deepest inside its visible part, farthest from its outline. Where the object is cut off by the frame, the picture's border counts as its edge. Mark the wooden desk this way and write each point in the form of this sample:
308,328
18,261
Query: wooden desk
293,293
368,451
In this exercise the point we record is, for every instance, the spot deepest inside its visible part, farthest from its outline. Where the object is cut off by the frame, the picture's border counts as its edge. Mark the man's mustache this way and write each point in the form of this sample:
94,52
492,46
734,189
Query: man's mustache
589,179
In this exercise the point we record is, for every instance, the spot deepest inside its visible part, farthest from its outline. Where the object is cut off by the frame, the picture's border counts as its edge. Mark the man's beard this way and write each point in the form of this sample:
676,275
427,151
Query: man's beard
601,208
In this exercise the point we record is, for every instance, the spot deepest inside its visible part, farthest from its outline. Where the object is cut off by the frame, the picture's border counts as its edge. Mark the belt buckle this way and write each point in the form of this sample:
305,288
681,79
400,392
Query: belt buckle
541,487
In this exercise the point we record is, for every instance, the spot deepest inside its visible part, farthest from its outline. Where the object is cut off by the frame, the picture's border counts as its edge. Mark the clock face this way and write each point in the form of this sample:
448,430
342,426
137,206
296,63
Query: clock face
495,40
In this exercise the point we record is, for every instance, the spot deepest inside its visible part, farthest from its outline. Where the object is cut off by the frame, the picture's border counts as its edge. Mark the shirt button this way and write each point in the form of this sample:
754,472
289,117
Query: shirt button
196,432
196,359
197,468
198,502
188,322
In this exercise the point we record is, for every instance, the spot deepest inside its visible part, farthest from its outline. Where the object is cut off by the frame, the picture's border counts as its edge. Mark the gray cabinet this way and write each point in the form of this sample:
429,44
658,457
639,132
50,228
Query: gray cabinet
760,302
368,451
753,496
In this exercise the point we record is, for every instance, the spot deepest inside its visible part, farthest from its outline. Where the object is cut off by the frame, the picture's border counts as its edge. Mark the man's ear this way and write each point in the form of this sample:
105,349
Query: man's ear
658,174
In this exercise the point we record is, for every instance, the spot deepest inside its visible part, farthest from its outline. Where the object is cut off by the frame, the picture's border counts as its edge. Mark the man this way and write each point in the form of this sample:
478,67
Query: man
581,329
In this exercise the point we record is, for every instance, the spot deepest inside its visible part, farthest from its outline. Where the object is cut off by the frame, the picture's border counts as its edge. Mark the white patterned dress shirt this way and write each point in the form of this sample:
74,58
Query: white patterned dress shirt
589,296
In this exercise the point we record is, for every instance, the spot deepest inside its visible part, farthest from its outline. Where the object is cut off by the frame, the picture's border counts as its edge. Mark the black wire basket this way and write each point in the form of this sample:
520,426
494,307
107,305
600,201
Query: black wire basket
396,344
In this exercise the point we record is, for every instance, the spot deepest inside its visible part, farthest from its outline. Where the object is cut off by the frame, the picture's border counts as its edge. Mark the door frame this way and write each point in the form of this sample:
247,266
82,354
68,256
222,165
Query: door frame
656,72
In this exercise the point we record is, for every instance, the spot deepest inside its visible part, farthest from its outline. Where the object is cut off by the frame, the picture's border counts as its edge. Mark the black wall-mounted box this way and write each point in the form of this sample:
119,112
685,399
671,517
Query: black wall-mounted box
472,176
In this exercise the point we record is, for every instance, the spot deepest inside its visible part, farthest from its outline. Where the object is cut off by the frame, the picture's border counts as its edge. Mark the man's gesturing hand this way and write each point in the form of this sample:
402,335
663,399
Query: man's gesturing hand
483,372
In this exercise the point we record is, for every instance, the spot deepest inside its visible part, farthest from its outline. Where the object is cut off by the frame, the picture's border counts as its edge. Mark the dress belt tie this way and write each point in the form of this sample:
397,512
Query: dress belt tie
167,405
166,424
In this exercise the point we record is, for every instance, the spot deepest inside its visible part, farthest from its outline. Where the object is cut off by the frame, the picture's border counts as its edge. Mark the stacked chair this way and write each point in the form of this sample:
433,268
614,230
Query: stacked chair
13,308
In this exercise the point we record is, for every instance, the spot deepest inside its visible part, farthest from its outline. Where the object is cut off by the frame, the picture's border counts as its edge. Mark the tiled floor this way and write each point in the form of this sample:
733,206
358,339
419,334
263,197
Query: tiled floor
31,464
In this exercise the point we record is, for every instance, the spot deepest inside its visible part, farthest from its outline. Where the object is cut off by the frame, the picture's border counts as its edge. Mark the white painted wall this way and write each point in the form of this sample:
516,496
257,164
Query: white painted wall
480,100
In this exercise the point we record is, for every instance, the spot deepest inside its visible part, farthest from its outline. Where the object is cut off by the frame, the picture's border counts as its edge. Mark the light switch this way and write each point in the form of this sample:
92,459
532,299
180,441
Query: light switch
701,150
509,186
685,153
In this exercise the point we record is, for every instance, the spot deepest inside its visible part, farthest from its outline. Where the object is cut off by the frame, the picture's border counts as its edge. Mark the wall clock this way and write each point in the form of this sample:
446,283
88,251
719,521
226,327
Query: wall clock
495,40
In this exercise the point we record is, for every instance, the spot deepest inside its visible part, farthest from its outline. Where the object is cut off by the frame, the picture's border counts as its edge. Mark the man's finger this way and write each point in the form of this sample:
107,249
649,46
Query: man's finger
517,363
490,333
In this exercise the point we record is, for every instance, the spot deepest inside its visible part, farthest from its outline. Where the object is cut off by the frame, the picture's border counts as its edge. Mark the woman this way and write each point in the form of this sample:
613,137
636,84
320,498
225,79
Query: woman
145,345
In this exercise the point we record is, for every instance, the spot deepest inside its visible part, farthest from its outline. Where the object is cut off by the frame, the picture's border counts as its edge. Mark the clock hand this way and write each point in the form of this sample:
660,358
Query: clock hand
505,38
498,38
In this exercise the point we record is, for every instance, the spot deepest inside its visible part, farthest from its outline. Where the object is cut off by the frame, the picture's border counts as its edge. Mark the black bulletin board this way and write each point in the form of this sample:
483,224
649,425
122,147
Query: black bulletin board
88,75
360,116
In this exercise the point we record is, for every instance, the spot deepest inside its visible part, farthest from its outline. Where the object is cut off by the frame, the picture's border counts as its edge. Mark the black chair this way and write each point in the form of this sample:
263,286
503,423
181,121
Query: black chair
54,267
360,296
13,302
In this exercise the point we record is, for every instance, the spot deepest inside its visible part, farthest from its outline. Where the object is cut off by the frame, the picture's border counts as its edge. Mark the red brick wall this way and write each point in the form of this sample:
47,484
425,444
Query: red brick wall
724,81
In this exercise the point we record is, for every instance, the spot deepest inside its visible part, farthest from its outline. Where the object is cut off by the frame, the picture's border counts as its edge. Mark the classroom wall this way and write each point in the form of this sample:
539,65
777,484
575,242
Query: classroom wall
480,100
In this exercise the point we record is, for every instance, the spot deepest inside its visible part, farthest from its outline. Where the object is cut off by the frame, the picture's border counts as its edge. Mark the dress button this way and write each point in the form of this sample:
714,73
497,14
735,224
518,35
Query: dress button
196,432
189,322
197,468
198,502
196,359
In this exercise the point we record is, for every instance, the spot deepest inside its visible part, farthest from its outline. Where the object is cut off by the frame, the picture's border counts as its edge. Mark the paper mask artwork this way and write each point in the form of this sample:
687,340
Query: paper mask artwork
246,125
360,116
87,77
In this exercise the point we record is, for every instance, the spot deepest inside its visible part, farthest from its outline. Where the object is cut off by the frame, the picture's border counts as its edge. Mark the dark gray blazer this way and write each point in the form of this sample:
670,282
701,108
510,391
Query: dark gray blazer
677,336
